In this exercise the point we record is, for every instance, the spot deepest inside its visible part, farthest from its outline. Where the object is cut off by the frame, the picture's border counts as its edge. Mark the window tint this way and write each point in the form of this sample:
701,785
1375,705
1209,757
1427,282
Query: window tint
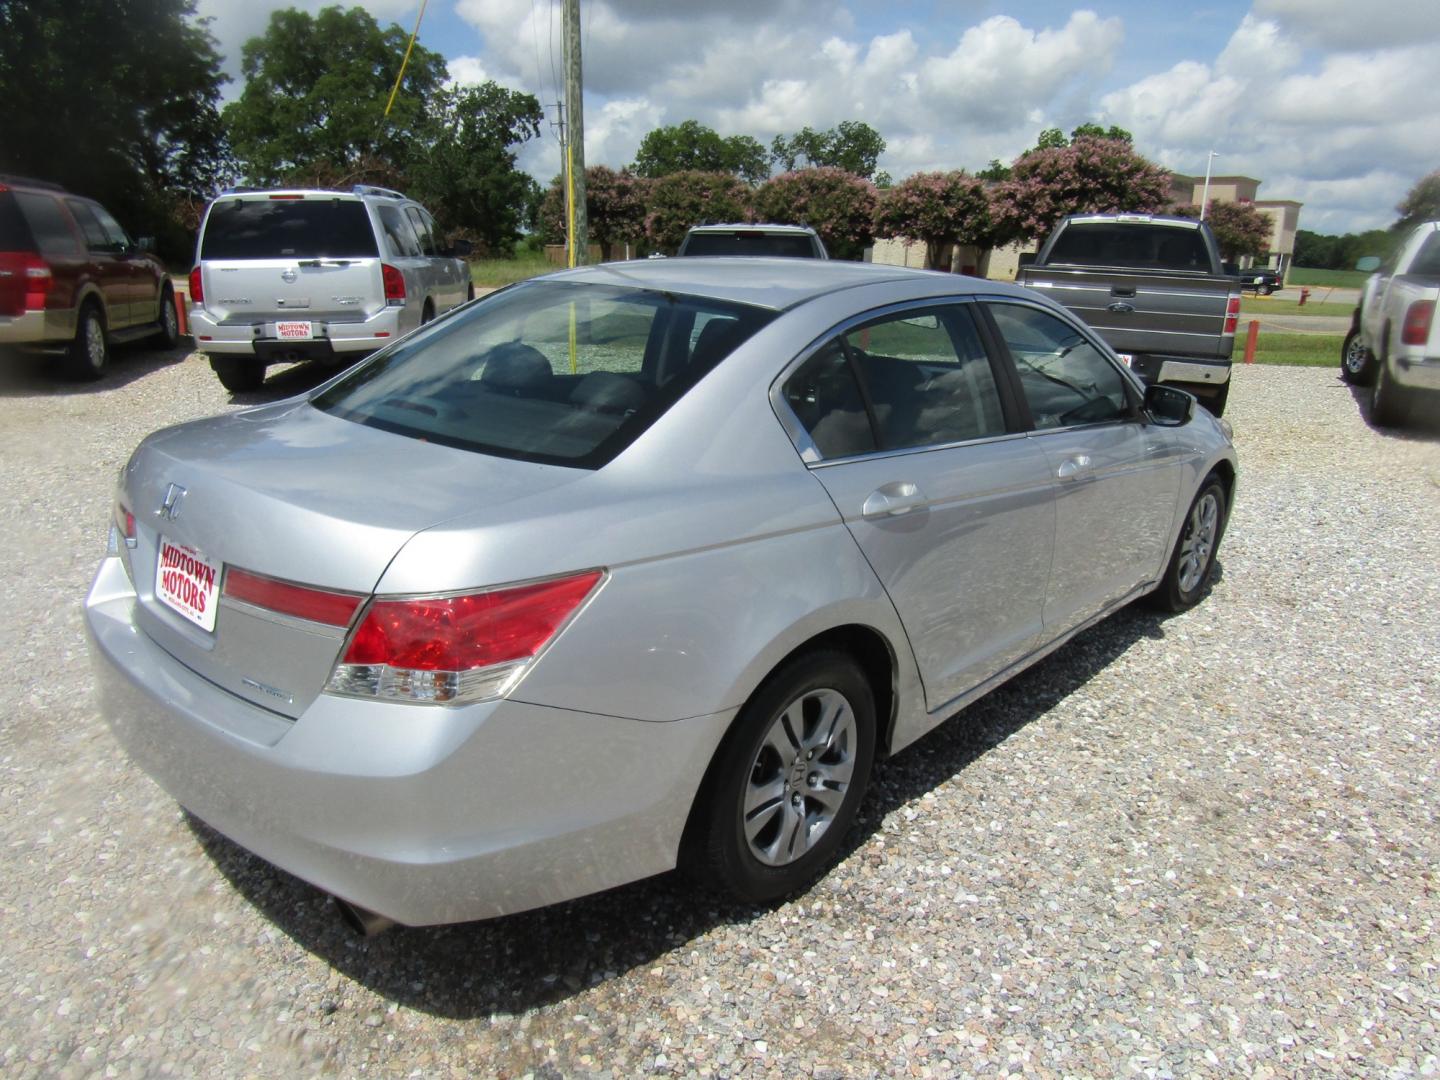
14,233
399,236
95,238
288,228
1151,247
749,243
924,375
546,371
424,229
1427,261
1066,380
118,238
48,224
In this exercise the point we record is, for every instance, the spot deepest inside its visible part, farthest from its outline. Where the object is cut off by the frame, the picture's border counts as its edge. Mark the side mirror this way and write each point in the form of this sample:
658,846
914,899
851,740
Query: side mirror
1369,264
145,243
460,249
1168,405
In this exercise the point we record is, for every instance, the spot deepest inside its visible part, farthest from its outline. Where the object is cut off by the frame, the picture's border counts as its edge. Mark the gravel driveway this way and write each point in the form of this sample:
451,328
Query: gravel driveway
1201,845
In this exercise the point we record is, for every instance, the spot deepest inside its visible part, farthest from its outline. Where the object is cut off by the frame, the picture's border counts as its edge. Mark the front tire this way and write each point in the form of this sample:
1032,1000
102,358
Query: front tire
1357,366
789,779
1188,575
238,374
89,352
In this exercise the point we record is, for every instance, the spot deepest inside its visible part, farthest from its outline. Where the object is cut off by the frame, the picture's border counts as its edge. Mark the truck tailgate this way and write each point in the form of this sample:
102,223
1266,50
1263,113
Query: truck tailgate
1147,312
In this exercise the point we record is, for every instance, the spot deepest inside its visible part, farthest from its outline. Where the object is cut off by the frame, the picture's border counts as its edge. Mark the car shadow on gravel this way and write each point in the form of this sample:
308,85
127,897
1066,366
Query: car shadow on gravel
536,958
1423,425
27,374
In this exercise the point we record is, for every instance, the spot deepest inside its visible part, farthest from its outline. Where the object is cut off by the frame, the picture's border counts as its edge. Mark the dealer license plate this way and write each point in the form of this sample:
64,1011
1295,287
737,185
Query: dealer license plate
294,331
187,582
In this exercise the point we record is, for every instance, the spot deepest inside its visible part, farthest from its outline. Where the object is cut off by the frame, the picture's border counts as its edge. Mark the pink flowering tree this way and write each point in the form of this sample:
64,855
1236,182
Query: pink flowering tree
838,205
683,199
614,204
1090,176
937,208
1239,228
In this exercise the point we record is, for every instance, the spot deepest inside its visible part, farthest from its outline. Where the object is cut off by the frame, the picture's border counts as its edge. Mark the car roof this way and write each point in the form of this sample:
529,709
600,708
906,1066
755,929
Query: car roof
763,281
359,191
753,226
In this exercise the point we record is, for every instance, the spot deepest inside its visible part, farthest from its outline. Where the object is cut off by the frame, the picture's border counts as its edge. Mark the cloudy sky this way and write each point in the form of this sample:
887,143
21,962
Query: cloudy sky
1332,102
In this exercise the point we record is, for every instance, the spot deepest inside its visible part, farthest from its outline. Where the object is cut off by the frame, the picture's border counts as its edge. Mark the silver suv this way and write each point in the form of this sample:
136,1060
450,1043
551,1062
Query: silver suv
793,241
301,274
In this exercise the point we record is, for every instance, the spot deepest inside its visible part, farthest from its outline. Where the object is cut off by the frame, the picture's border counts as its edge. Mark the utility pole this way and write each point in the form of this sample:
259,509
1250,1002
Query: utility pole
1205,198
575,138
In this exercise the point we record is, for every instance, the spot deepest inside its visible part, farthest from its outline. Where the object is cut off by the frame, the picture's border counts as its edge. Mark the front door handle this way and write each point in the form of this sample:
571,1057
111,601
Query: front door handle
1073,468
891,500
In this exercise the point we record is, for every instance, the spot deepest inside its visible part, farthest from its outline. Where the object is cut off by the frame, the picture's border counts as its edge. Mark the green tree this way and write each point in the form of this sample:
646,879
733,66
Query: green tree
683,199
996,170
462,162
116,100
1421,204
1051,139
315,94
692,147
1092,130
852,145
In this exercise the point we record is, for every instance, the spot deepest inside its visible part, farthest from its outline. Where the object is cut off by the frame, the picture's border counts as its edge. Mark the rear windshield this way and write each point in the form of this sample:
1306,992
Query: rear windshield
1148,247
552,372
749,243
289,229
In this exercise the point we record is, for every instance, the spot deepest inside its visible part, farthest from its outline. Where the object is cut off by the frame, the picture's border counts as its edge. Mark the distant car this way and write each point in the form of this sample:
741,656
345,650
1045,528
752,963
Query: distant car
304,274
1260,279
632,564
791,241
71,277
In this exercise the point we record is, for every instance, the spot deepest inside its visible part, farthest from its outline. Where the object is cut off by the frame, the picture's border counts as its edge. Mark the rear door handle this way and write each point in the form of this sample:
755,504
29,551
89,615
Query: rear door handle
1073,468
893,499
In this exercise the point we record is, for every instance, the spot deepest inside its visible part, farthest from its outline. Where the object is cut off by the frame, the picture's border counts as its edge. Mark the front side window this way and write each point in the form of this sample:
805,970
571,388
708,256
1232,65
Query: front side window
424,229
1066,380
95,238
906,380
115,233
553,372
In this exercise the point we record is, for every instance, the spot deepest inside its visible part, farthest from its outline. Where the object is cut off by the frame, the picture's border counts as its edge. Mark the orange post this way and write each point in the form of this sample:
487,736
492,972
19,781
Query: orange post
182,301
1252,336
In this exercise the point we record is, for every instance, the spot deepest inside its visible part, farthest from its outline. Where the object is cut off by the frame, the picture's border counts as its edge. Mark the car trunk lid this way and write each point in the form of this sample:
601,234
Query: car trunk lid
291,495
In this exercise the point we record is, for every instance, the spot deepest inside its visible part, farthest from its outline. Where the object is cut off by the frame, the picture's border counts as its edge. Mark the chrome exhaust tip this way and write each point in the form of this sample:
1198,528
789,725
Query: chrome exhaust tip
363,921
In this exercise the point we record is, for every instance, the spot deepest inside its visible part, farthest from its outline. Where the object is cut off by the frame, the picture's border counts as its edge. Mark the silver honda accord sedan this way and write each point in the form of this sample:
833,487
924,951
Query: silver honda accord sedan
631,566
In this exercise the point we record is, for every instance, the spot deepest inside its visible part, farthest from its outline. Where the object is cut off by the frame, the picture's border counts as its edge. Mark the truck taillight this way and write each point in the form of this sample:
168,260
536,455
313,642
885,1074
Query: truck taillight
197,287
452,650
1418,316
394,284
1232,315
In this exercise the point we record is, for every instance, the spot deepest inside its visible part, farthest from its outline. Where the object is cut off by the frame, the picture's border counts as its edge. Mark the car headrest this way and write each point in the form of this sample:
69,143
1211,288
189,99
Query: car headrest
513,366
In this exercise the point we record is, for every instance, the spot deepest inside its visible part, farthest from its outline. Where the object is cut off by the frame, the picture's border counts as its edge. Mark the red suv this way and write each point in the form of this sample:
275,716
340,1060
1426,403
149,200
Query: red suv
71,276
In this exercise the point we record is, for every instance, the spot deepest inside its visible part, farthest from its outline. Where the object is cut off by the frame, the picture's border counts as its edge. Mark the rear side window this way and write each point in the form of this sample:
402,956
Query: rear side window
14,232
1131,244
749,242
48,224
550,372
288,229
1067,381
1428,260
399,236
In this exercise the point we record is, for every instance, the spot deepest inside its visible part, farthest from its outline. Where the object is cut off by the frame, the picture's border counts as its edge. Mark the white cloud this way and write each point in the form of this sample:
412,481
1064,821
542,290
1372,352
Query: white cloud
467,71
1346,25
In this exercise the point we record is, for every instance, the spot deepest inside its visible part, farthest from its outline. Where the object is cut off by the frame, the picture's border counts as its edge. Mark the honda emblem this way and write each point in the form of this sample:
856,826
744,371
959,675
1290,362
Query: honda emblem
170,505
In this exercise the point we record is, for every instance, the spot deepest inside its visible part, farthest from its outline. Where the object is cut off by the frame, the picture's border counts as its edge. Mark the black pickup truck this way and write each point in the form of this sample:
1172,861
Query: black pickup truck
1156,290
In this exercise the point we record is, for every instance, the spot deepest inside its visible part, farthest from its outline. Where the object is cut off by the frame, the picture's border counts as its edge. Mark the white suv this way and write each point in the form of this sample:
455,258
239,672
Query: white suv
301,274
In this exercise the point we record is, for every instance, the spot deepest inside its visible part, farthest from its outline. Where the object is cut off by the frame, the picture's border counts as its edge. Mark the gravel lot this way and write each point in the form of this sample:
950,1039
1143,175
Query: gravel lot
1202,845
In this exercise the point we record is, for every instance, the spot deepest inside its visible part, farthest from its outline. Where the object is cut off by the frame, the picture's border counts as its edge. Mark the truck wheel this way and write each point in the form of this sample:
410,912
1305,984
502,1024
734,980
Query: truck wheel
238,374
1357,366
89,352
1266,290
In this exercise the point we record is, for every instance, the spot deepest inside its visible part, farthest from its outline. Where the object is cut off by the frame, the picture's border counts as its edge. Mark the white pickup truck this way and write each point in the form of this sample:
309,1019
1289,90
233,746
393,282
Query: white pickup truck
1394,340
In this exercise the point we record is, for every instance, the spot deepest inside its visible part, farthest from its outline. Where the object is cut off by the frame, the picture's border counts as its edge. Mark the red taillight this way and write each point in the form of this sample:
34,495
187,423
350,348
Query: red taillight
1418,317
394,284
125,525
197,287
279,198
25,282
316,605
453,649
1232,314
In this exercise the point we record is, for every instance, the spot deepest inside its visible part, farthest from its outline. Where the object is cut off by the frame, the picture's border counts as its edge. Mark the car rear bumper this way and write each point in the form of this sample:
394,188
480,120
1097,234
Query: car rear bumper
258,338
1185,371
1416,373
425,815
37,328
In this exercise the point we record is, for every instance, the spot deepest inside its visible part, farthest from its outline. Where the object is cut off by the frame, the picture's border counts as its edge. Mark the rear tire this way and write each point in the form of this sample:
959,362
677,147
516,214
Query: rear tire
1188,575
1388,406
788,780
238,374
1357,366
89,352
169,320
